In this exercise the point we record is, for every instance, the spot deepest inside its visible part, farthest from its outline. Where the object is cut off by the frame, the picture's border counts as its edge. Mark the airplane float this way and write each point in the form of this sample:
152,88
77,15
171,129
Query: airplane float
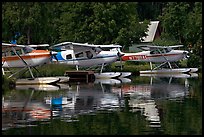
89,55
161,56
25,57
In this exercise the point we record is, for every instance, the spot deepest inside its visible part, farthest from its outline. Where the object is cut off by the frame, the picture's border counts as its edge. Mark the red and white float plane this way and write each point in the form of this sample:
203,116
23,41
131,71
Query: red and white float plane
25,57
160,55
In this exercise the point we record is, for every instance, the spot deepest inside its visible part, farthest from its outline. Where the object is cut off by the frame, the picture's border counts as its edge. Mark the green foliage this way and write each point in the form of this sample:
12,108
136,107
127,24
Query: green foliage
98,23
183,22
7,84
194,61
165,40
145,8
129,66
36,21
193,31
174,18
54,22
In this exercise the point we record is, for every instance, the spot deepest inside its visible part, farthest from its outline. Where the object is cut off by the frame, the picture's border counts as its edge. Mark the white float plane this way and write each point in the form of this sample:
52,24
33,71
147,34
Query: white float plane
160,55
87,55
25,57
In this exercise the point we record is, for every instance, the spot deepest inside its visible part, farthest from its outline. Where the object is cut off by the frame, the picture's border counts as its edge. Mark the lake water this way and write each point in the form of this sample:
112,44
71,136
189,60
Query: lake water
140,105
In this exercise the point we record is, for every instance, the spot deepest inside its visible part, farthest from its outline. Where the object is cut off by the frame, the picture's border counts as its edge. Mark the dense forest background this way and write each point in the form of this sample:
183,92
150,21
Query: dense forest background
104,23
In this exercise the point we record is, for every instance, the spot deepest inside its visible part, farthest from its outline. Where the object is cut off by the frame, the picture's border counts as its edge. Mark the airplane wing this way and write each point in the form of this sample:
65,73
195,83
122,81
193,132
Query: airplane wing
176,46
7,46
152,47
79,47
40,45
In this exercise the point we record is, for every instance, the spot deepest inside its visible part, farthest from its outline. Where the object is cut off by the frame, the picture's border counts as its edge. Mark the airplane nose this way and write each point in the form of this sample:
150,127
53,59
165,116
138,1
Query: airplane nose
186,54
53,53
120,54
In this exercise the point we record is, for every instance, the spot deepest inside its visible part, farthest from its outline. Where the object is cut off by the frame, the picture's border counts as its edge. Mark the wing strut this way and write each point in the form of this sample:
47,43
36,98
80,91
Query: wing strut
102,68
24,62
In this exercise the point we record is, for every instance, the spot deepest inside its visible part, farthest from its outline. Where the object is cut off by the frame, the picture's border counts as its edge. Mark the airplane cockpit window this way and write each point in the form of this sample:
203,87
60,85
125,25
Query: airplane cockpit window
12,53
154,52
78,55
69,56
27,49
167,50
89,54
19,51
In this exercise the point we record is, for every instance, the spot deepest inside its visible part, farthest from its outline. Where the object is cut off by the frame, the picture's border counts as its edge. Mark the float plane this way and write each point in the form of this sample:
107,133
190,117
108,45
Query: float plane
88,55
25,57
162,56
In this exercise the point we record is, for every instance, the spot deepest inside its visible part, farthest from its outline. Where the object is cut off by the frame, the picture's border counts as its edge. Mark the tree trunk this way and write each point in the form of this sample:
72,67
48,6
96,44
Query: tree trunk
28,35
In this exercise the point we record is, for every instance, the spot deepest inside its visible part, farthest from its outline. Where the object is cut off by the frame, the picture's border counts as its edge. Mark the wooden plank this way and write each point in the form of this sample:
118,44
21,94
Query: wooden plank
83,76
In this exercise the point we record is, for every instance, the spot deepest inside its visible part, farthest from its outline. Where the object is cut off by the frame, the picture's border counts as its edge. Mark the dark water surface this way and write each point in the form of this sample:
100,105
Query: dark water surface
139,105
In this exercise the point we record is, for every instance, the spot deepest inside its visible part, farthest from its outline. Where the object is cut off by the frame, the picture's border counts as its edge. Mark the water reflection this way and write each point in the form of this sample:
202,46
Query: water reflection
27,104
142,96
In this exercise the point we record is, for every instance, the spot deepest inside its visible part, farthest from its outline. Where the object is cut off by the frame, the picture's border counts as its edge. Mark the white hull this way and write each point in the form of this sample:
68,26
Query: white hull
166,71
63,79
167,75
193,75
125,74
39,80
38,87
106,75
174,75
107,81
125,80
193,70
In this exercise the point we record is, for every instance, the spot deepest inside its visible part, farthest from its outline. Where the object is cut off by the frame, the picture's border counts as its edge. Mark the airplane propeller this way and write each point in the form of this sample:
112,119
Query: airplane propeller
120,54
53,54
186,54
54,51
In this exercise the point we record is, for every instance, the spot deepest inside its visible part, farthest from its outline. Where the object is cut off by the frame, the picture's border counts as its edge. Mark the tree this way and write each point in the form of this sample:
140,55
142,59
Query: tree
101,23
183,22
193,33
54,22
31,19
150,10
174,19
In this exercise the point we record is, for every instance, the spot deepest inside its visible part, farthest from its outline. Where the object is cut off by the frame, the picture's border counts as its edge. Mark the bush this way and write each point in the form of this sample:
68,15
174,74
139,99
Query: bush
194,61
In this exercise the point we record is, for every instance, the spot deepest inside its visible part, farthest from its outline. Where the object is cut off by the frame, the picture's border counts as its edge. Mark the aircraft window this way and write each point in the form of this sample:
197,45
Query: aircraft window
19,51
78,55
69,56
12,53
89,54
154,52
27,49
167,50
5,54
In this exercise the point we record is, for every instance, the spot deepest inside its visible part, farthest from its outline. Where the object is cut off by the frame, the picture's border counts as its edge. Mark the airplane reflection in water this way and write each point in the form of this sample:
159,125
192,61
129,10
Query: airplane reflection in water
88,98
143,97
80,99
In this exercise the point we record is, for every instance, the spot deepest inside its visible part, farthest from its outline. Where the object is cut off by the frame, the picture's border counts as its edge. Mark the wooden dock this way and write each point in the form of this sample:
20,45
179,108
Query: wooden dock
80,76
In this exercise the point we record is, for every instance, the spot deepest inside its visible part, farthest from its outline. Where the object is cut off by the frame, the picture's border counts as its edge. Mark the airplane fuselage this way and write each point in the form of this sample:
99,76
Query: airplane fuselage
34,58
147,56
86,58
